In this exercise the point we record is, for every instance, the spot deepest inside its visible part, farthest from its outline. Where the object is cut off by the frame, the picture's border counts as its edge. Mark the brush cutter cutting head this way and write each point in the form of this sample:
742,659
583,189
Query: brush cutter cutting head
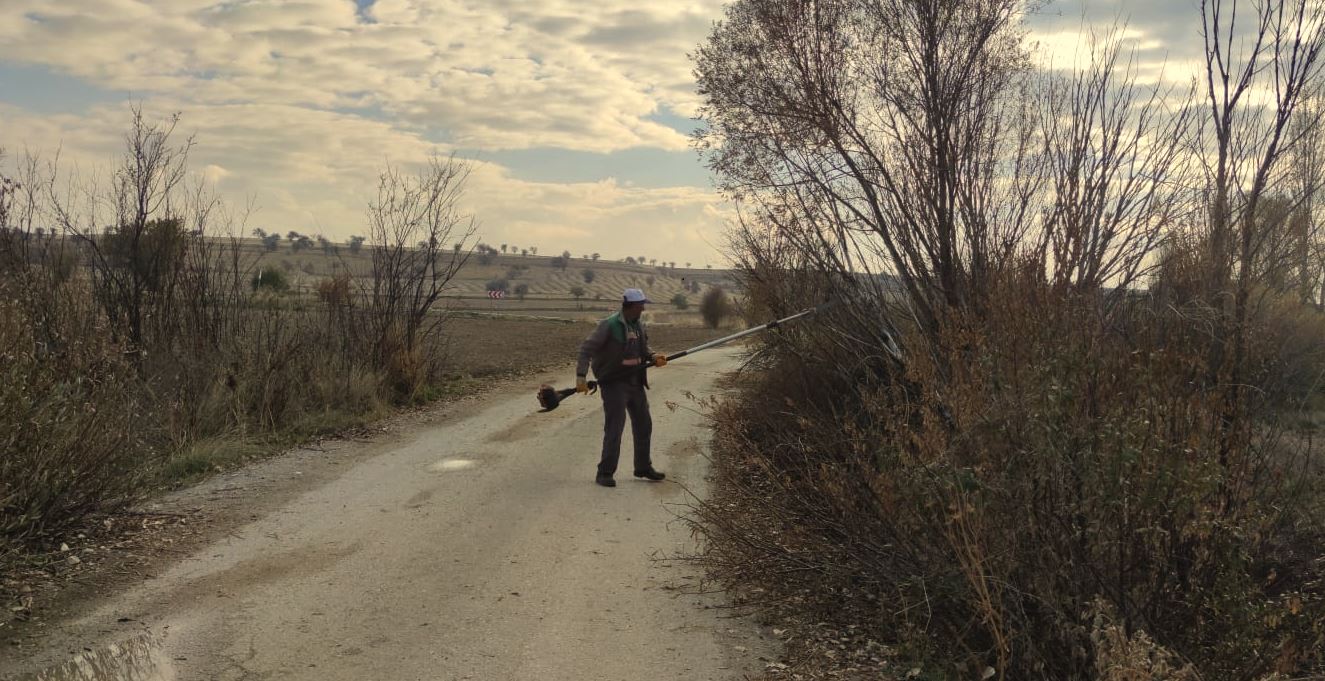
550,398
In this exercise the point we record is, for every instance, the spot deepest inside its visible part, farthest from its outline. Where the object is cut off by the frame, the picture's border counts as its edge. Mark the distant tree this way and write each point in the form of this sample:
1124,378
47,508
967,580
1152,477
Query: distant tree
484,257
533,249
356,244
497,285
521,290
457,248
577,292
595,257
641,260
503,248
259,232
559,262
714,307
708,267
566,255
650,279
680,301
653,261
271,242
687,265
524,252
588,276
630,260
325,244
673,264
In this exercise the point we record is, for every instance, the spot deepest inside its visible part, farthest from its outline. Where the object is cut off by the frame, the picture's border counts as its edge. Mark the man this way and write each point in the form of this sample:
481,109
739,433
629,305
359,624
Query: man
618,350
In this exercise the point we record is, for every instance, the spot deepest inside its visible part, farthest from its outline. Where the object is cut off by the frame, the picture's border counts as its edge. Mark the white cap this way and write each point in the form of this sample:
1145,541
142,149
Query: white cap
634,295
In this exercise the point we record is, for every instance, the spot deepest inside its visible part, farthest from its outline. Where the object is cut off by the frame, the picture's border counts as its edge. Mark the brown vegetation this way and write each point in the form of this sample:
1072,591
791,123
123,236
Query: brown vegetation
125,345
1000,451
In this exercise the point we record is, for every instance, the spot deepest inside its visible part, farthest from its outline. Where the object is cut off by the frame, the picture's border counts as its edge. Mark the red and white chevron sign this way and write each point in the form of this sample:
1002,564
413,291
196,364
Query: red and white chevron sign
496,295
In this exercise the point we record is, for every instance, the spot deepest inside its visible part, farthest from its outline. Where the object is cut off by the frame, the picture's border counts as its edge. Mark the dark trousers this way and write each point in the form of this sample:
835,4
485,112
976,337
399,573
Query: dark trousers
619,399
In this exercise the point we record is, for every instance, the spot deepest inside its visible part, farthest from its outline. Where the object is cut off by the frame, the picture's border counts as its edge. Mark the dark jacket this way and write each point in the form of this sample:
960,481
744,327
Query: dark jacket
605,349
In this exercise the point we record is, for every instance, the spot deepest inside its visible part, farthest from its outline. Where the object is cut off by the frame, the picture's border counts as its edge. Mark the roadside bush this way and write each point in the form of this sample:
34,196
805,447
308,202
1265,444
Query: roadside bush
979,505
122,349
77,430
714,307
497,285
680,301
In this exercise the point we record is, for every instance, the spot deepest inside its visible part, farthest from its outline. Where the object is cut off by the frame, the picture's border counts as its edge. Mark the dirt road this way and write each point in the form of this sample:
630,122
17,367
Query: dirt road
476,547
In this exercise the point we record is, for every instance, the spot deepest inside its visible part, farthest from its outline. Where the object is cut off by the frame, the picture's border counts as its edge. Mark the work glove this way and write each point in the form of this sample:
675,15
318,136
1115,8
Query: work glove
581,385
660,360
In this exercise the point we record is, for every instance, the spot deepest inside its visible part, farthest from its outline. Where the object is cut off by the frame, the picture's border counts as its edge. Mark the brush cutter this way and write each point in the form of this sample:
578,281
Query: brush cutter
550,398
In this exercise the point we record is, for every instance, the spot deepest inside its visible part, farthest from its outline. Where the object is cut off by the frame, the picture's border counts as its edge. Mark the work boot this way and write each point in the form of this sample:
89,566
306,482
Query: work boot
605,480
650,474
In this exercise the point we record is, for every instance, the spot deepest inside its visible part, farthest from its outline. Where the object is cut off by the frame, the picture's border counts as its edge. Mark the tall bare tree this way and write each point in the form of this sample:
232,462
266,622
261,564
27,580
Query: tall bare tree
410,222
1116,155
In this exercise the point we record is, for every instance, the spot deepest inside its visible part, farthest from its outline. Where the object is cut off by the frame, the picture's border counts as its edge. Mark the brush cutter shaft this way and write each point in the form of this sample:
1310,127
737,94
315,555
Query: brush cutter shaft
742,334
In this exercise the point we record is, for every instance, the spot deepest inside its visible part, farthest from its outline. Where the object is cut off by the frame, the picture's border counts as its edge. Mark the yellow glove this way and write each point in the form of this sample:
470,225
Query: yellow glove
660,360
581,385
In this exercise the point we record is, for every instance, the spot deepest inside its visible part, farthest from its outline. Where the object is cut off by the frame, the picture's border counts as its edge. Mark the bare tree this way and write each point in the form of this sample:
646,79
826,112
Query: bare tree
135,258
1307,169
1115,153
410,209
1276,60
872,133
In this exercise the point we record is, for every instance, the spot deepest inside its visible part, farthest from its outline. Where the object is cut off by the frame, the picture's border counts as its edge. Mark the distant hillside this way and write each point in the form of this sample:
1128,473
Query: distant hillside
545,282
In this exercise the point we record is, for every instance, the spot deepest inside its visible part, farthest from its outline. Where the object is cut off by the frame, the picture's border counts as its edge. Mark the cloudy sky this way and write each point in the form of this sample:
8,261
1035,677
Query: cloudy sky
576,114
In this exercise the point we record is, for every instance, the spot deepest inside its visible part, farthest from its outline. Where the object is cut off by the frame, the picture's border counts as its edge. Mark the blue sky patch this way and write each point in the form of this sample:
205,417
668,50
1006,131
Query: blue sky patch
640,167
42,90
361,9
682,124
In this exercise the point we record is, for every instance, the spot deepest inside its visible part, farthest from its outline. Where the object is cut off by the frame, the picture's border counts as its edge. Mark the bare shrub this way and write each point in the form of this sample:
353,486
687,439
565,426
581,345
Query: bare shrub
128,344
1070,461
714,307
993,431
422,209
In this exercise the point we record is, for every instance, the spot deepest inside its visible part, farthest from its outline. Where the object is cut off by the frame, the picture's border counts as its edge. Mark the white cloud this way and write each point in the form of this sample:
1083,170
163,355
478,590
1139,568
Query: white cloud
315,172
489,74
299,103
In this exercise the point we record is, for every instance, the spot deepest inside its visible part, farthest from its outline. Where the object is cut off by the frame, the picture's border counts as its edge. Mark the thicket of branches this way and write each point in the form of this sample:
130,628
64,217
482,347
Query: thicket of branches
135,324
1059,424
